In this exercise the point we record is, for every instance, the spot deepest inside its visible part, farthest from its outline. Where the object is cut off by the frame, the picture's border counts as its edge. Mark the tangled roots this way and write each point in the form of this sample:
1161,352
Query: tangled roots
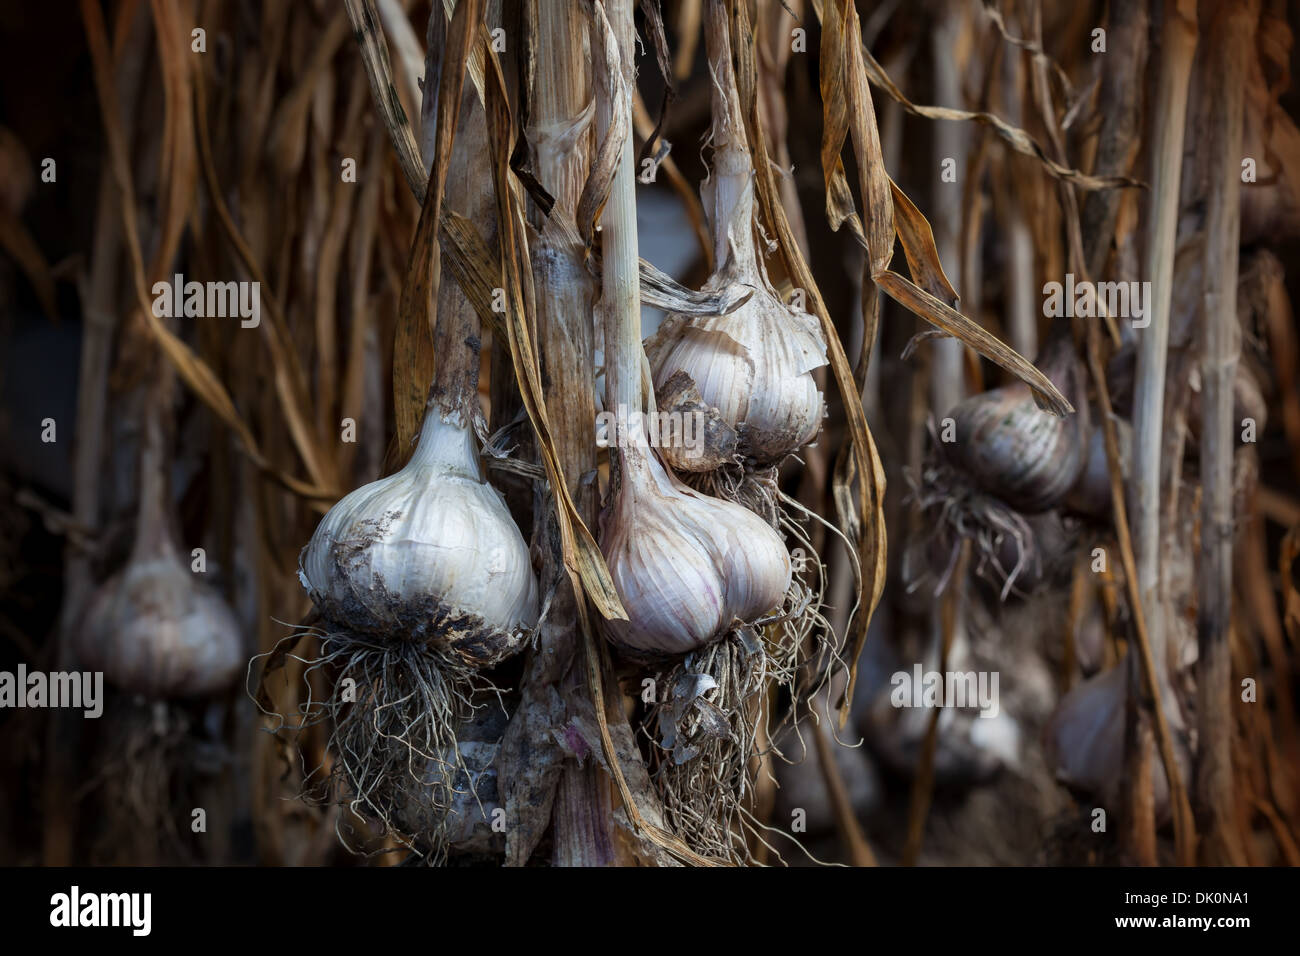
707,720
1003,544
394,710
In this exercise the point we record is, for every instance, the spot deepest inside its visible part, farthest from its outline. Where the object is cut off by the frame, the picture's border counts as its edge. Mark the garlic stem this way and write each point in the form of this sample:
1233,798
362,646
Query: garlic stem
153,532
620,282
1178,48
730,202
457,330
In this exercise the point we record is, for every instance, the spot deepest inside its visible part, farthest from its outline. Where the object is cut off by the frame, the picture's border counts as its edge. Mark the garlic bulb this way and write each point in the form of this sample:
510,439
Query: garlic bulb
154,628
427,554
686,566
755,365
1085,739
1014,450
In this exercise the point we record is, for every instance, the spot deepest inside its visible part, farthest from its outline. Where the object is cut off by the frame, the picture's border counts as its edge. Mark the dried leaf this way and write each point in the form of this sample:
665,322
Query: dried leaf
918,247
1013,136
413,348
853,107
608,75
863,515
917,300
379,69
579,550
529,768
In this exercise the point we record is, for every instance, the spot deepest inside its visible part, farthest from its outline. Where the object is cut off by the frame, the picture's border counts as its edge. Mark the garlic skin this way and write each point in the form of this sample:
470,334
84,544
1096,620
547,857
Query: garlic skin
686,566
754,365
430,553
1085,739
1014,450
153,629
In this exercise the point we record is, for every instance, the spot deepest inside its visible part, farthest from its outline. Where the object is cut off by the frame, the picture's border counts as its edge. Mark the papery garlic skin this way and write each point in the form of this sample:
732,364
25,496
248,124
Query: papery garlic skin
687,567
153,629
1016,451
430,553
754,366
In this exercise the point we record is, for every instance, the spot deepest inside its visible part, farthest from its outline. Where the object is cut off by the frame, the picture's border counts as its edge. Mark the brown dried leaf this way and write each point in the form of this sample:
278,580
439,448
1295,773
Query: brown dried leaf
608,75
937,313
862,515
379,69
579,550
529,766
413,360
1014,137
919,249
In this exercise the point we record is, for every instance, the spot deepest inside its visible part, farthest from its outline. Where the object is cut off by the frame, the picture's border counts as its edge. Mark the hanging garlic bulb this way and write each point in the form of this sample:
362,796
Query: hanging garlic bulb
694,573
422,579
154,628
427,554
1014,450
755,365
431,554
687,566
1085,739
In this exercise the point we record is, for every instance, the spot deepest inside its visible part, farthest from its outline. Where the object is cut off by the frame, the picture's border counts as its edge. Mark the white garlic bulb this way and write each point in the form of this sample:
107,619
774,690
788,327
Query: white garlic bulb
153,629
754,365
430,553
686,566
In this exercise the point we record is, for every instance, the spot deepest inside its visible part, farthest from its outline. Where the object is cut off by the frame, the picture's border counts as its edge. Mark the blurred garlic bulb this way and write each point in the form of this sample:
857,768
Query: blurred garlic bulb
1085,739
755,365
154,628
686,566
428,554
1016,451
1091,494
